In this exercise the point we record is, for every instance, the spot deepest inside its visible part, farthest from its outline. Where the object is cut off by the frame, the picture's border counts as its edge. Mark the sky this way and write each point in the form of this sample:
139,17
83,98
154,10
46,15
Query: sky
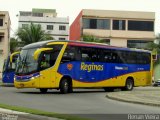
71,8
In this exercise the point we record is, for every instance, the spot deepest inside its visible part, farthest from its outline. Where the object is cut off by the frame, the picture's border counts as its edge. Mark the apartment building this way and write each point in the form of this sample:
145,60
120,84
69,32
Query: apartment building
119,28
57,27
4,37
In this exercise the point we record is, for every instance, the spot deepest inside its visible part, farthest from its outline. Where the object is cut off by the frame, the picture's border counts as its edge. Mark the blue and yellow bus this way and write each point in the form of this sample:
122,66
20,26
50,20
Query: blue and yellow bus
9,69
66,65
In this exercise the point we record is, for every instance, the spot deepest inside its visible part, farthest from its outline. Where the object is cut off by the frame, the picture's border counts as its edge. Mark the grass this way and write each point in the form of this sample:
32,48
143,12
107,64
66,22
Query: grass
40,112
1,83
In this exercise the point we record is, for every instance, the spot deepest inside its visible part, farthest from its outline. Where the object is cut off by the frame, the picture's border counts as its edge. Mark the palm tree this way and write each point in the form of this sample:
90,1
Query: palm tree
13,44
32,33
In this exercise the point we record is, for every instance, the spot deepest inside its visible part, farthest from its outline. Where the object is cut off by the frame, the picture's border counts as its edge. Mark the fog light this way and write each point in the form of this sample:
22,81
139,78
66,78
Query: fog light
21,85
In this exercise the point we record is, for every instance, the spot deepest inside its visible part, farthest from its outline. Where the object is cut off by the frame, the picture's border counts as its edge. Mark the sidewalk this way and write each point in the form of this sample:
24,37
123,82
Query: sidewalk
140,95
6,114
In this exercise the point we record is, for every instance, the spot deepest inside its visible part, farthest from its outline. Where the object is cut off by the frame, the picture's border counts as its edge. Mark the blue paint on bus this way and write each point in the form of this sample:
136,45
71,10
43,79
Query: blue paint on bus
9,70
98,71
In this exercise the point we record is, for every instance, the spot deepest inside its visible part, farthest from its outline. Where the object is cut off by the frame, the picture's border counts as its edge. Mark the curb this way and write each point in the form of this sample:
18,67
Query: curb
25,116
7,114
131,101
37,117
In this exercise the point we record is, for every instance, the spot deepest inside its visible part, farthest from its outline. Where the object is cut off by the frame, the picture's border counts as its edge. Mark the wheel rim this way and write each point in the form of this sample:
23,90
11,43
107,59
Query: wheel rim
66,86
129,85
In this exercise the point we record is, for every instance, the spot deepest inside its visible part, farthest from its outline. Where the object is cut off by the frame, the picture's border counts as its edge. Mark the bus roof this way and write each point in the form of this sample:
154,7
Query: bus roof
82,43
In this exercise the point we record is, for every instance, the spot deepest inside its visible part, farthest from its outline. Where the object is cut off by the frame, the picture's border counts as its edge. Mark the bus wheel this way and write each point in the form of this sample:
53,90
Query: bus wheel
64,86
129,85
70,89
43,90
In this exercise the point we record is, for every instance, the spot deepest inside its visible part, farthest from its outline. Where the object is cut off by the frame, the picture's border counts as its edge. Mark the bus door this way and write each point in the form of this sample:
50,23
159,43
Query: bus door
45,72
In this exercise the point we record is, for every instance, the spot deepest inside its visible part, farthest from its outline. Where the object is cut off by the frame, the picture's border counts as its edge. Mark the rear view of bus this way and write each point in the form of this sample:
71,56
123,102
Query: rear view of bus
9,69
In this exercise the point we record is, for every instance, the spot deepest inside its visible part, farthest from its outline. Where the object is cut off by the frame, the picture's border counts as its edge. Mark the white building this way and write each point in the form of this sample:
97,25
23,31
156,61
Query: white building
4,37
57,27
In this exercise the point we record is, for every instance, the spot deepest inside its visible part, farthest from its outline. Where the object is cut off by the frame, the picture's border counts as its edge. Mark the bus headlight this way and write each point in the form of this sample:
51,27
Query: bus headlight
32,78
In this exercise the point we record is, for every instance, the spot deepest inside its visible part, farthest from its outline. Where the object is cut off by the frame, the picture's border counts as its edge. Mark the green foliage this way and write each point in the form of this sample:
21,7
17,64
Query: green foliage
32,33
155,46
13,45
91,38
40,112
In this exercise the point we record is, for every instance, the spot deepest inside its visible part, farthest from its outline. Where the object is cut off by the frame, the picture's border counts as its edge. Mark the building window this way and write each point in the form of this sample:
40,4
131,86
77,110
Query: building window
86,23
1,22
62,38
24,25
141,25
119,24
37,14
49,27
103,24
141,44
62,27
25,13
93,23
96,23
1,38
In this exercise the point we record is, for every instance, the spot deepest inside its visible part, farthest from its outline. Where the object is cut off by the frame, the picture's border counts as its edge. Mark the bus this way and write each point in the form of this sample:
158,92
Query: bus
65,65
9,69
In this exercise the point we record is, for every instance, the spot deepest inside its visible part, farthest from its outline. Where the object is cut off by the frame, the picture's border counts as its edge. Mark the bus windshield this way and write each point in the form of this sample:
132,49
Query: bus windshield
26,63
5,65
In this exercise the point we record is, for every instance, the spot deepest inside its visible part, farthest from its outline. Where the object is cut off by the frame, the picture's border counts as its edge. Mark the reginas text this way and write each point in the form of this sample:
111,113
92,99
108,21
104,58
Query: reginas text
91,67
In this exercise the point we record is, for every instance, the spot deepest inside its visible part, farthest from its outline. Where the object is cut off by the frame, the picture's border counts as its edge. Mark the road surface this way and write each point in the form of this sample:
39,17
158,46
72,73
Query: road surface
91,102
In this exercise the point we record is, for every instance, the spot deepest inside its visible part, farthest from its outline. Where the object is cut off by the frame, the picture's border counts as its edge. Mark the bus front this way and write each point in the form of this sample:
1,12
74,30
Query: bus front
37,66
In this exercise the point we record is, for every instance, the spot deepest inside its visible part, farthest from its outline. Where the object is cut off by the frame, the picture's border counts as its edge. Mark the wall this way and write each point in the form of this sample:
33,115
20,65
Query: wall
75,28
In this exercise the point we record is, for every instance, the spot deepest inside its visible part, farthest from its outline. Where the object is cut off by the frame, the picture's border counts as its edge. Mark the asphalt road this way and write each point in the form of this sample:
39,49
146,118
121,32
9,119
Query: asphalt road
83,101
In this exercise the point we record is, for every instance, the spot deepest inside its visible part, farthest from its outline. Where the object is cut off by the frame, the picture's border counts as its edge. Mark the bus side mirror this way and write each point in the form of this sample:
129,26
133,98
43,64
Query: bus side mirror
38,52
154,57
154,54
12,55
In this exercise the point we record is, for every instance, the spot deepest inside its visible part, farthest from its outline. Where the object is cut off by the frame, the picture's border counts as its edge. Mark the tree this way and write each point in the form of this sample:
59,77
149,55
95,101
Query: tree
32,33
155,46
91,38
13,45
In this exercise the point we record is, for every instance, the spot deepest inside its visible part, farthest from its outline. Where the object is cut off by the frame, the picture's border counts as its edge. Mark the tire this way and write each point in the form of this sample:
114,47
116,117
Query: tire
155,85
64,86
70,88
129,85
43,90
108,89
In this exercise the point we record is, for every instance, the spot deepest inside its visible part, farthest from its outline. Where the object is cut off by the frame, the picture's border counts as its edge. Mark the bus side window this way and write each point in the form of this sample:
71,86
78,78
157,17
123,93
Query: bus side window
85,57
70,54
143,58
45,61
104,55
89,54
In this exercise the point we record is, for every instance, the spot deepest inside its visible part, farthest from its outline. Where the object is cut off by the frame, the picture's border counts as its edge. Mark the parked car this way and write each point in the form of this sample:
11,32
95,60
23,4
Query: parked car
156,83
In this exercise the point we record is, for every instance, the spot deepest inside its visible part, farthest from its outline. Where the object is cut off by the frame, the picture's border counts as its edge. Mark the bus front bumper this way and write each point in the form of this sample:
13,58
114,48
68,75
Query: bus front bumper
26,84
